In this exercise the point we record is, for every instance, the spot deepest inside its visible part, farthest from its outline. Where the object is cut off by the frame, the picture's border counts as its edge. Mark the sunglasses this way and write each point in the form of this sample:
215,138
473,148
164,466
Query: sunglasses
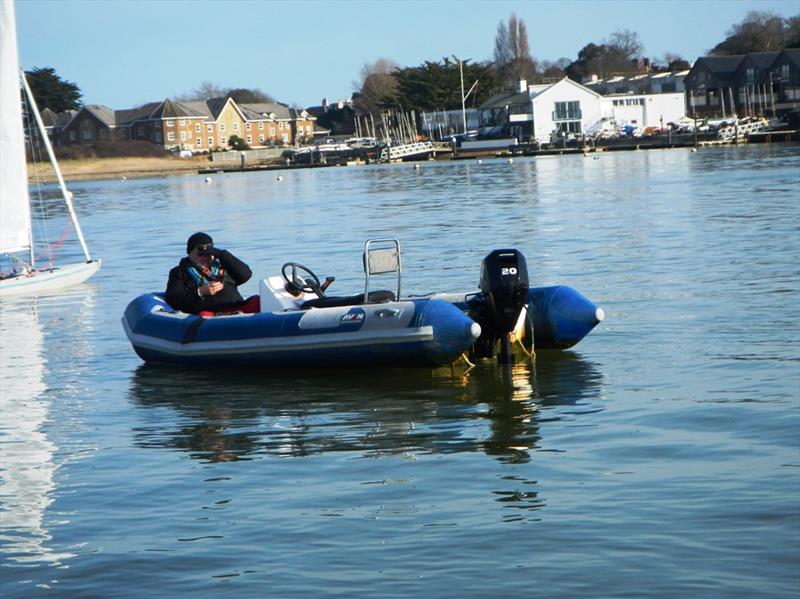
203,250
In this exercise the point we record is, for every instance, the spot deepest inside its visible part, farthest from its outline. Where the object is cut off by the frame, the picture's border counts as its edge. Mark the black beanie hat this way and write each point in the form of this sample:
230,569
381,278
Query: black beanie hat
197,239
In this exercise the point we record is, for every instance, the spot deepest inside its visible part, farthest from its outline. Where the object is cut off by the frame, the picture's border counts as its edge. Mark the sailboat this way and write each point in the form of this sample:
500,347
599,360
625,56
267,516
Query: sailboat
16,234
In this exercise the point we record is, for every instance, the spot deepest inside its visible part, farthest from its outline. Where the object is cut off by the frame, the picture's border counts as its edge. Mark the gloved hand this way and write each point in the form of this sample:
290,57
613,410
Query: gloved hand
212,251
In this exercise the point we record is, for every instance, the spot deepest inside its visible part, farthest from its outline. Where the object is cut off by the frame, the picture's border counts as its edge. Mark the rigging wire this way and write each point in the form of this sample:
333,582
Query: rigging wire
35,145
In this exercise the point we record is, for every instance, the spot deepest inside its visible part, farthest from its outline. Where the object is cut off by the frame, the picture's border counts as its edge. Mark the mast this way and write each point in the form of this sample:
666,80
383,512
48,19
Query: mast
61,184
463,97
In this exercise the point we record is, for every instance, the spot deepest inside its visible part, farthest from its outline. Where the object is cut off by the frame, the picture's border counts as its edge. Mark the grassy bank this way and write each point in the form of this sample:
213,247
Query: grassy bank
113,168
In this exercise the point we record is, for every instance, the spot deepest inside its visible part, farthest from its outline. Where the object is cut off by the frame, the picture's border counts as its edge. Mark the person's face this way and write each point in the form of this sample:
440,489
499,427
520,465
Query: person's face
195,254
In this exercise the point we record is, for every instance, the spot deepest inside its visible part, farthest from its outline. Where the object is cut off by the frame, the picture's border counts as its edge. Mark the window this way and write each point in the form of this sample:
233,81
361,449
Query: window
170,136
569,127
158,137
198,128
261,138
140,131
210,128
247,126
272,131
87,134
181,123
236,126
72,136
785,71
751,75
280,125
222,127
567,111
170,124
210,142
223,140
183,135
249,139
198,142
261,126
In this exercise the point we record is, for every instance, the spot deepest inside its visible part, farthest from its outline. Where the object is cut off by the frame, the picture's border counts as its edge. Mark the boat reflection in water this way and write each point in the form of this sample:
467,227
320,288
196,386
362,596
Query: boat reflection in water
236,414
27,468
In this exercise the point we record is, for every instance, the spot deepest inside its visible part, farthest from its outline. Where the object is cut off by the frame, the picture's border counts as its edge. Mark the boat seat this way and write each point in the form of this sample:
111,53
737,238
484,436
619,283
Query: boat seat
375,297
275,298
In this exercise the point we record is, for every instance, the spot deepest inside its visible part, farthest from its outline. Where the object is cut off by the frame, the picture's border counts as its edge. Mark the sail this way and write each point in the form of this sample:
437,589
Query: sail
15,211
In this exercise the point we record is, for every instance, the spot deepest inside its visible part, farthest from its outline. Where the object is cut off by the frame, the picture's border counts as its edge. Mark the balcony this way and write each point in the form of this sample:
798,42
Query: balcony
571,115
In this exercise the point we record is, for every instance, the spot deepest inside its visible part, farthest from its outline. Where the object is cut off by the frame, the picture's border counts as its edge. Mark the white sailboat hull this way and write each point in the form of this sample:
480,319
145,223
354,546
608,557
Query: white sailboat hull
45,281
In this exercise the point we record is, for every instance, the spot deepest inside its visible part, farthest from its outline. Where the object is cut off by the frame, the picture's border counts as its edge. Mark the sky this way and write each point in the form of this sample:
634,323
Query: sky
123,53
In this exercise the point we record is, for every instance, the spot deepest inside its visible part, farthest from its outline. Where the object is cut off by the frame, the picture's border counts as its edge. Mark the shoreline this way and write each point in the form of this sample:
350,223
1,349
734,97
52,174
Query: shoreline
114,168
139,168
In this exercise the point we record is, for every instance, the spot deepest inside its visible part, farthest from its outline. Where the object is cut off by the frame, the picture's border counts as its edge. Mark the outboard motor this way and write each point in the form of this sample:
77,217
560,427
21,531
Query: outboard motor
504,283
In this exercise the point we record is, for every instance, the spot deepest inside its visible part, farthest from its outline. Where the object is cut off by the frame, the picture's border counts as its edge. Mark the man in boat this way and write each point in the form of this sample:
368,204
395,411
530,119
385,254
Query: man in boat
205,281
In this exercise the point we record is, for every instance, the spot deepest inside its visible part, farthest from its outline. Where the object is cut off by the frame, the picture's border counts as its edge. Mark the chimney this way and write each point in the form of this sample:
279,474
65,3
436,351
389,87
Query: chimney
523,86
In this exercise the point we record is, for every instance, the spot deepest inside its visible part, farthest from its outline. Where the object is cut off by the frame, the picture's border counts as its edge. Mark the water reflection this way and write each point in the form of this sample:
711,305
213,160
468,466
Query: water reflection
238,415
27,468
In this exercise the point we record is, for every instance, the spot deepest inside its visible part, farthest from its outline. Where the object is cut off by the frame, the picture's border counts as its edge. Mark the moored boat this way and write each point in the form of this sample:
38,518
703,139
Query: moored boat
300,326
26,277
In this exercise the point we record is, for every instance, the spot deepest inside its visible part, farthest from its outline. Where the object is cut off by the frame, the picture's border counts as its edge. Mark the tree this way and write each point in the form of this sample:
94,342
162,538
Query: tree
376,86
237,143
207,90
625,44
437,85
674,62
615,55
760,32
512,54
551,70
249,96
53,92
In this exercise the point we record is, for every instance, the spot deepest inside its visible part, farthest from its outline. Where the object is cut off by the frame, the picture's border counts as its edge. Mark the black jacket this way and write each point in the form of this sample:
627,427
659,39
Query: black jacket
182,288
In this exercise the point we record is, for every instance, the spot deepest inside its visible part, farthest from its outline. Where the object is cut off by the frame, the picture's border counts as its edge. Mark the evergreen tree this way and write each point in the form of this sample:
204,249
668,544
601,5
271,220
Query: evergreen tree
51,91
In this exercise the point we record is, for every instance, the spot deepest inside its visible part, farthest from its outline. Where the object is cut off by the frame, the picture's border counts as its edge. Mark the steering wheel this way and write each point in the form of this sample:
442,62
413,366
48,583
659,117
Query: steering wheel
310,285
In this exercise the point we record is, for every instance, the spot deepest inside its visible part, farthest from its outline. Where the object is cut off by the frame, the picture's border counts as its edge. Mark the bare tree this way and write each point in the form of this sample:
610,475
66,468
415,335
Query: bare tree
760,32
512,54
207,90
502,48
626,43
376,86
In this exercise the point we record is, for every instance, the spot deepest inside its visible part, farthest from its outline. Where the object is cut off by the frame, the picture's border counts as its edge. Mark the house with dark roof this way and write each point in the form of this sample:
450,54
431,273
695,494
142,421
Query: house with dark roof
709,83
785,72
752,83
757,83
91,124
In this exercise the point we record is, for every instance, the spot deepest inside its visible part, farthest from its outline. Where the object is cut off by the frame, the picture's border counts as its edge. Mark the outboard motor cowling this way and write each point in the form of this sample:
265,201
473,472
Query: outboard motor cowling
504,283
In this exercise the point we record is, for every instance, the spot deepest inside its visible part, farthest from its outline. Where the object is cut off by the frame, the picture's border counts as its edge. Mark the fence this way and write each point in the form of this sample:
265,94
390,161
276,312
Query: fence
249,155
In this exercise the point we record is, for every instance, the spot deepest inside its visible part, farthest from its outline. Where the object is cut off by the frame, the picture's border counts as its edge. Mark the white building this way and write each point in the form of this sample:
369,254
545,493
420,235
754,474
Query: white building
547,112
643,111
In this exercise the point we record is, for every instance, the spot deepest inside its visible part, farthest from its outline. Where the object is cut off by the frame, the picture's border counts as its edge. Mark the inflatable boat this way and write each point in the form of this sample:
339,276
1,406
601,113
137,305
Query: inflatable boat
299,325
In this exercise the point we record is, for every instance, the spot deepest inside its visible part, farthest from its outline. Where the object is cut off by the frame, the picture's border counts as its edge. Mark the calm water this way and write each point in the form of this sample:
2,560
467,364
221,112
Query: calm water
659,458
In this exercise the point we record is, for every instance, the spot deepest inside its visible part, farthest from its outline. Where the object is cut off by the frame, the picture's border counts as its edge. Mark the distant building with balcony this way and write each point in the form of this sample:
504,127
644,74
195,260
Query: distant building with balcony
549,112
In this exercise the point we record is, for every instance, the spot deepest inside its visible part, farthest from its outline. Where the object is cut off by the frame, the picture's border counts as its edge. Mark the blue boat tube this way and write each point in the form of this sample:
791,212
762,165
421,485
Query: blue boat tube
420,332
558,316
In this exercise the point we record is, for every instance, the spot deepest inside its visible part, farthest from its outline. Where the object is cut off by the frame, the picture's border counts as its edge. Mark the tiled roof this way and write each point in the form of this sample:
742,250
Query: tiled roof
721,65
102,113
762,60
504,99
196,108
793,54
215,105
257,111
